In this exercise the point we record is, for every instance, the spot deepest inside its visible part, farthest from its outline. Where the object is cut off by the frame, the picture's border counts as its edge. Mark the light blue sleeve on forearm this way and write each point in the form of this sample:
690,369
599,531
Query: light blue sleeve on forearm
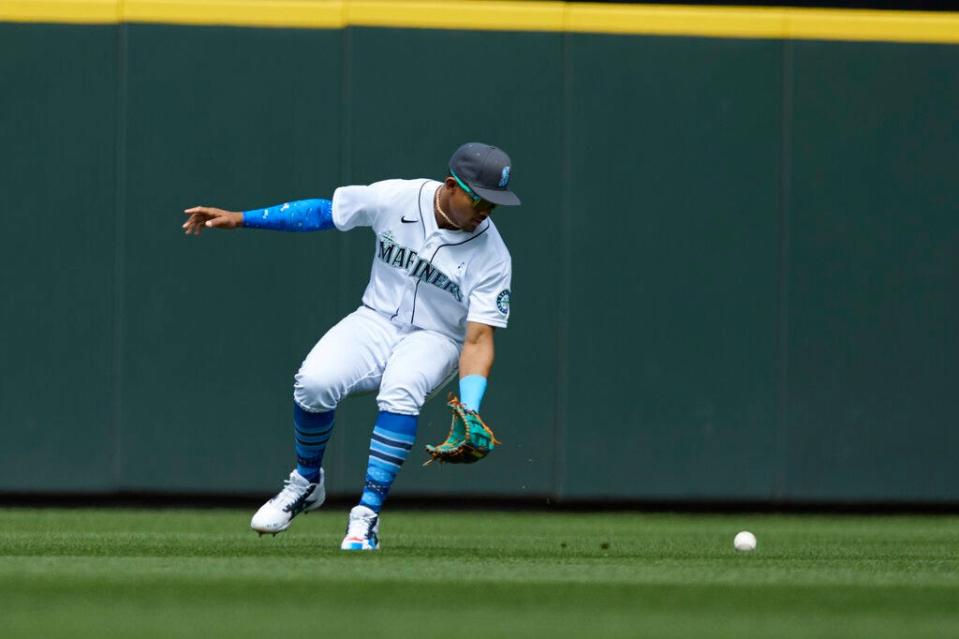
302,215
472,389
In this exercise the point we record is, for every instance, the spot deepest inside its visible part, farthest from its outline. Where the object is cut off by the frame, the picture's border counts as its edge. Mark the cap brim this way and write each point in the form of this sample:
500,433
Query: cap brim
497,197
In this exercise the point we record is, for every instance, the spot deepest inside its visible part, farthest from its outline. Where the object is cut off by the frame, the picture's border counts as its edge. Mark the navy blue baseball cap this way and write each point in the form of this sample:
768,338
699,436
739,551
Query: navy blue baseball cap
485,169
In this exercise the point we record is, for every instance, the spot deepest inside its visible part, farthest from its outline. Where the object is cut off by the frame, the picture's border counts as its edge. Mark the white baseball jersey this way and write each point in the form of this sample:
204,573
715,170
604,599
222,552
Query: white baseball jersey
423,275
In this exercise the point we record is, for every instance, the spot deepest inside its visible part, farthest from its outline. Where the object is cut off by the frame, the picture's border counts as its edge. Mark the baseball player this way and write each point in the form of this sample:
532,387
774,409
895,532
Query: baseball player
439,286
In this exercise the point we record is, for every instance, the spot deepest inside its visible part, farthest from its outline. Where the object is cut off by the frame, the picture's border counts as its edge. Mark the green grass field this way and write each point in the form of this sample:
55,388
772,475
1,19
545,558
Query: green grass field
175,573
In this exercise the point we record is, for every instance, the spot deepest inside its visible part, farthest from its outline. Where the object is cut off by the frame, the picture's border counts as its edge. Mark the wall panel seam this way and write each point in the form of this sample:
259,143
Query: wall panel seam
561,400
119,256
785,196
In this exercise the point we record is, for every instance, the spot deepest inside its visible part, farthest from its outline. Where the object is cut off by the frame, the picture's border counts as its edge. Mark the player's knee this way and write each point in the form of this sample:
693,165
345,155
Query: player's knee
315,392
399,400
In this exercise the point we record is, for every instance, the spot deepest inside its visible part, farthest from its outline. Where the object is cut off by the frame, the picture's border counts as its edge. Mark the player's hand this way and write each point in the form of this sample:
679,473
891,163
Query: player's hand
209,217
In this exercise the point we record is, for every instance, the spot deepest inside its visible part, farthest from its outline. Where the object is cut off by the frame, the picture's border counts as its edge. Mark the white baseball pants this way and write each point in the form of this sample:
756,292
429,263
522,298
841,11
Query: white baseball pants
366,351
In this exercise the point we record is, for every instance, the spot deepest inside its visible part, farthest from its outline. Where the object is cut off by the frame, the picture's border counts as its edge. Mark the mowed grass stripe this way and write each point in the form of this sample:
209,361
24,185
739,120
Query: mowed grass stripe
81,573
123,571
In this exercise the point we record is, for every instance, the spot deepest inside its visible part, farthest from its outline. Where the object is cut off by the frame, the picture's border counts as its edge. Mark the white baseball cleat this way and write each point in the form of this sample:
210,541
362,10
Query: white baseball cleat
363,530
298,496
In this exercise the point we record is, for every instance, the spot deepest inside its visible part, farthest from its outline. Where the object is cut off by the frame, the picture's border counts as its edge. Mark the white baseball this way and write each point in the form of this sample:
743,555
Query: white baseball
745,541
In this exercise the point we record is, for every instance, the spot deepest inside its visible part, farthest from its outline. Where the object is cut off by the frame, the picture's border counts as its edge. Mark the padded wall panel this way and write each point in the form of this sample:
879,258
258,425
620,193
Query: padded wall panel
57,193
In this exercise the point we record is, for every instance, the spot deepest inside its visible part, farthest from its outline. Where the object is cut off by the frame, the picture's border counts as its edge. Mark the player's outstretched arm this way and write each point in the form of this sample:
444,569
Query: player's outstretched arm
298,216
208,217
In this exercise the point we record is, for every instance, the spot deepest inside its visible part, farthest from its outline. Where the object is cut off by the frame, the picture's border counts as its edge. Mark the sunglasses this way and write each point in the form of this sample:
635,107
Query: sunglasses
476,200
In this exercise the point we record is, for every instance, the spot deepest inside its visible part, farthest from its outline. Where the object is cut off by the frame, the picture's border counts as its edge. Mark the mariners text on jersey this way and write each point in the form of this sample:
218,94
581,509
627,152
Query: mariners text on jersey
423,275
404,258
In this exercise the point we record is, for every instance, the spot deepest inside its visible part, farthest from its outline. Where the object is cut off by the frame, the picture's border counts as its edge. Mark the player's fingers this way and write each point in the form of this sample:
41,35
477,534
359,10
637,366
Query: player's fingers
196,209
194,224
217,222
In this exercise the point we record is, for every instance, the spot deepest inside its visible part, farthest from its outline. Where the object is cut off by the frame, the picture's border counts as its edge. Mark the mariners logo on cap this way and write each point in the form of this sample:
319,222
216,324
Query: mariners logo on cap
502,302
504,178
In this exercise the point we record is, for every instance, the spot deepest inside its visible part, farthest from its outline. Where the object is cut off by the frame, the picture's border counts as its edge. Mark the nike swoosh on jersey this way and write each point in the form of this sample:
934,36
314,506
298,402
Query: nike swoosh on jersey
405,221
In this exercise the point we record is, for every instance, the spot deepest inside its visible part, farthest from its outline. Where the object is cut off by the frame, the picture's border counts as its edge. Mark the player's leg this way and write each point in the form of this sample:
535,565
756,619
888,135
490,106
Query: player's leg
349,358
420,362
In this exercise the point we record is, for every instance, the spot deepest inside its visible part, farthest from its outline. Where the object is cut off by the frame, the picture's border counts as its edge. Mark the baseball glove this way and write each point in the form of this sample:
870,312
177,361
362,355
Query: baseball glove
469,440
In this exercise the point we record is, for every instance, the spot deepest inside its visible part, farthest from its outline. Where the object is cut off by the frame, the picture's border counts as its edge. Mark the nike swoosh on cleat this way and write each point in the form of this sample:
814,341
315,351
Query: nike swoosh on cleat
405,221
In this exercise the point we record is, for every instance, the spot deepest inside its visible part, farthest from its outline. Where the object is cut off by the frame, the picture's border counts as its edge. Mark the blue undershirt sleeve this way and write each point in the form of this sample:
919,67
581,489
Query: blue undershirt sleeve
302,215
472,389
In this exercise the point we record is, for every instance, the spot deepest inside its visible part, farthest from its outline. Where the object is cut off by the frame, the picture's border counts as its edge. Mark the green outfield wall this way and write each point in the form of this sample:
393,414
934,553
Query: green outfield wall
736,269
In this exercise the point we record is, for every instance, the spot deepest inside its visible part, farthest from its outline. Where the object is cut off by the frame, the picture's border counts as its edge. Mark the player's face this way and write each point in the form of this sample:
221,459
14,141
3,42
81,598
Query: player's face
467,210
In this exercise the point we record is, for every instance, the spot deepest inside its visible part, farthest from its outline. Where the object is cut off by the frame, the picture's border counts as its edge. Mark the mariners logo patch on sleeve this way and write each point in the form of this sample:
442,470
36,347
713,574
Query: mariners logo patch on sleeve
502,302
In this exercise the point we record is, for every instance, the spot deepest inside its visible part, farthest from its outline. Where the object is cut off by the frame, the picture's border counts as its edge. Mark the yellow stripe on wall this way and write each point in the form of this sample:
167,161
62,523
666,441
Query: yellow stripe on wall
69,11
891,26
242,13
722,22
504,15
477,15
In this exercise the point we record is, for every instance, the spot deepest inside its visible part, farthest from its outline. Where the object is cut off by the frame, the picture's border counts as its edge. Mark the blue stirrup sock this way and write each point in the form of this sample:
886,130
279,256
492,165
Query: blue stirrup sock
312,431
393,437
